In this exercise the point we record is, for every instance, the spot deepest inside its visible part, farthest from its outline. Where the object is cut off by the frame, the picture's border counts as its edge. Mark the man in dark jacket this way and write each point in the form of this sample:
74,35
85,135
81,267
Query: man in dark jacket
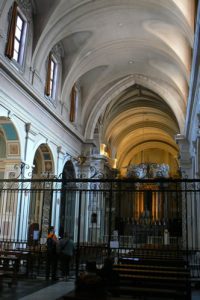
51,263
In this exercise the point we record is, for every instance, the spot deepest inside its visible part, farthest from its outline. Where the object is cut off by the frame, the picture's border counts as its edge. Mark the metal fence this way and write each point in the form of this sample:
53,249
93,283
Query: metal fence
105,217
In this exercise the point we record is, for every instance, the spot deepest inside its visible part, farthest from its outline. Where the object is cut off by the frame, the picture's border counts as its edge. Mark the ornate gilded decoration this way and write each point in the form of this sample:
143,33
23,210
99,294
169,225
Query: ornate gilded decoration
148,170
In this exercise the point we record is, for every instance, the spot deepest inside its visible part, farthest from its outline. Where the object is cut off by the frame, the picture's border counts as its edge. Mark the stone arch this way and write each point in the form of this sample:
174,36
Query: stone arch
68,171
9,168
120,86
9,149
43,161
41,199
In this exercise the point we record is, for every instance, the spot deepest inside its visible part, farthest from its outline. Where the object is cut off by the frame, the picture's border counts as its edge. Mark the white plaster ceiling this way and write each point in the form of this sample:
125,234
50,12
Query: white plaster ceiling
114,49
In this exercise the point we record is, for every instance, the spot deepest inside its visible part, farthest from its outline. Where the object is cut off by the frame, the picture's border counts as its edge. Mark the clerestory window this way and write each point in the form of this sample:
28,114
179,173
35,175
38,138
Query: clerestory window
18,41
50,89
16,36
73,104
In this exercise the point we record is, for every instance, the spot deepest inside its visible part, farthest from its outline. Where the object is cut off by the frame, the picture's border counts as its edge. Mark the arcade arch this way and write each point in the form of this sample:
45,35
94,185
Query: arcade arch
41,201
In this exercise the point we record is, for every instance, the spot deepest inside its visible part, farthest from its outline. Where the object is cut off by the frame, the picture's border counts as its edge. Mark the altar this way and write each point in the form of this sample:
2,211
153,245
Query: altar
149,203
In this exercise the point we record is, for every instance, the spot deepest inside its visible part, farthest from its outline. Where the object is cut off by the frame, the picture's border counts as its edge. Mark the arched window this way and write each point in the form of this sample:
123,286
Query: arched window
16,35
54,73
73,103
51,79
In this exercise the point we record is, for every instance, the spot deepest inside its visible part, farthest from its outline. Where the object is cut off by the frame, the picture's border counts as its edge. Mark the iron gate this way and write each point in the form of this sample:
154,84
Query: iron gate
104,216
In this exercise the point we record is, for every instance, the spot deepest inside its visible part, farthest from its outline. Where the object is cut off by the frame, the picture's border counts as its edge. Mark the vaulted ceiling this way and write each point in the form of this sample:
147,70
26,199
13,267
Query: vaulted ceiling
132,61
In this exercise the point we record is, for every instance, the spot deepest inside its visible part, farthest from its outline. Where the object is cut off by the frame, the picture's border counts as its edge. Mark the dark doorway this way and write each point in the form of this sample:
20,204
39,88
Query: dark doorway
68,201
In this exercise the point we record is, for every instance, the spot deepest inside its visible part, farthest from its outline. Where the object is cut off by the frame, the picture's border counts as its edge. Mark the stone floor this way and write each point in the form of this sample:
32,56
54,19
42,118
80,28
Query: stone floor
35,289
39,289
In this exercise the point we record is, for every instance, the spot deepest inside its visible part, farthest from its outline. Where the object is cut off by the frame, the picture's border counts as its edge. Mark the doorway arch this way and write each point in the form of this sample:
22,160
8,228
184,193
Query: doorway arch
10,158
9,149
40,209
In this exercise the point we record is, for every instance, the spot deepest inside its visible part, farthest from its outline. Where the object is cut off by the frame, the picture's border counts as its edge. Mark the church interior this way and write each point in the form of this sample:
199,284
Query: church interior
100,140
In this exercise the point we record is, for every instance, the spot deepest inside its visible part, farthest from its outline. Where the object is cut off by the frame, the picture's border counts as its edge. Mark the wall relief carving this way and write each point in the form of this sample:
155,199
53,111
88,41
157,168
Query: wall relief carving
148,170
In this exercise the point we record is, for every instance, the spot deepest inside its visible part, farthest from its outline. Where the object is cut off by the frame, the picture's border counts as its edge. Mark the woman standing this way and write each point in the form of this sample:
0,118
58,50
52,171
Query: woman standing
67,248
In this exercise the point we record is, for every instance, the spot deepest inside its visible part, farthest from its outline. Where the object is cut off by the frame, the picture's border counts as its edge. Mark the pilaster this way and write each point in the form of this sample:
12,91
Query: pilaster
185,156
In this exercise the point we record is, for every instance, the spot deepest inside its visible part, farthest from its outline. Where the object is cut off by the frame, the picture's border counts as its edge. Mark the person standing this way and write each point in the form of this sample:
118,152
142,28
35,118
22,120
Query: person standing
52,259
67,248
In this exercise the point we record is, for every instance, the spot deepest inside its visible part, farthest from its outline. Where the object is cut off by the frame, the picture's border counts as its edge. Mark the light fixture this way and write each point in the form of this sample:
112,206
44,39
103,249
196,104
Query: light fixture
131,61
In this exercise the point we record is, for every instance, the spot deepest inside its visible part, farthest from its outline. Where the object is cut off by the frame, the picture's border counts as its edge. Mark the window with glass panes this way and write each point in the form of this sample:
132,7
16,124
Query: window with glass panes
18,41
52,78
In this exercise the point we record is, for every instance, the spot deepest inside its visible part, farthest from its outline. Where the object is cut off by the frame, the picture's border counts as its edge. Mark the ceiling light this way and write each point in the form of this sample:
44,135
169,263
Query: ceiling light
131,61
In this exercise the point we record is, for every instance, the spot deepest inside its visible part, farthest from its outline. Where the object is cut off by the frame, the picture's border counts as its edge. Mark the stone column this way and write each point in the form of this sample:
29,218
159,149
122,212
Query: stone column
186,171
185,157
23,204
56,201
196,197
197,154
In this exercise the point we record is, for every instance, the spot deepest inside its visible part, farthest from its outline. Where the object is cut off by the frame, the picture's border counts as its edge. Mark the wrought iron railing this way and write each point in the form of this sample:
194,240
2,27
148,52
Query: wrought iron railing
104,216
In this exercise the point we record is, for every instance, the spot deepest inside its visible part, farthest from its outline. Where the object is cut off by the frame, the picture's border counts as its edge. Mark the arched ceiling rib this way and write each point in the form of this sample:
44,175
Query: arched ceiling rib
118,89
154,139
132,62
138,117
